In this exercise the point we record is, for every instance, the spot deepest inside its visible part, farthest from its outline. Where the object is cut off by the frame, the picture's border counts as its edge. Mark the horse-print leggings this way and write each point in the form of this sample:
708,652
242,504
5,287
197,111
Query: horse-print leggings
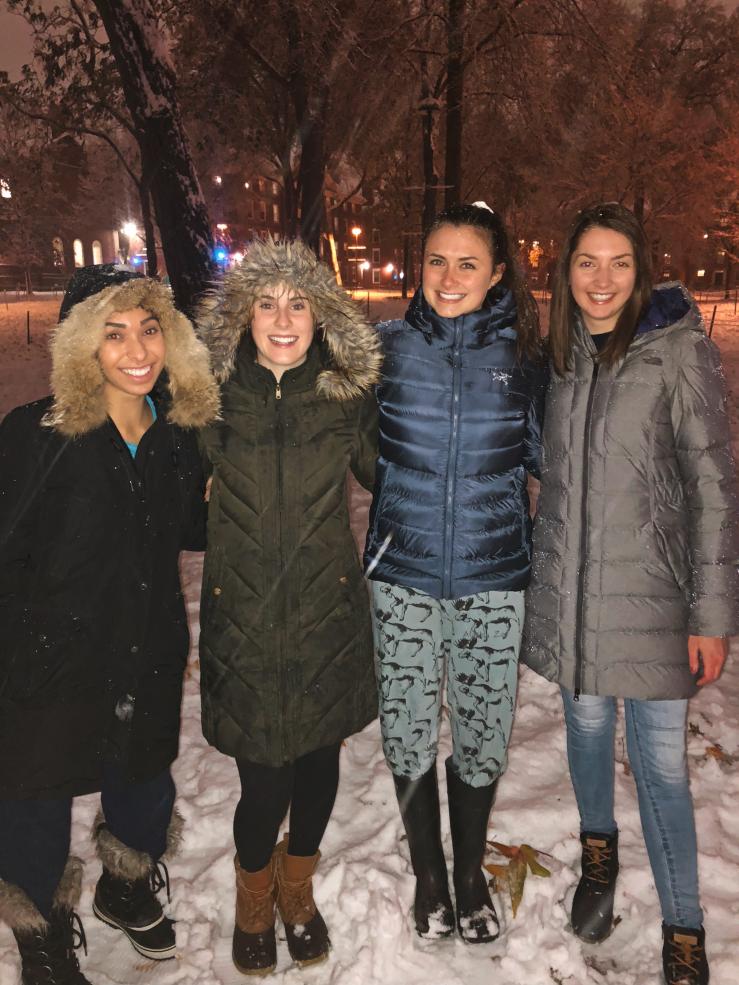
479,638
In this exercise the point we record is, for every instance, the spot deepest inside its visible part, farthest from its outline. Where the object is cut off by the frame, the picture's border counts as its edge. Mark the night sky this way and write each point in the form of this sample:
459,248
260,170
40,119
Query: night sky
15,40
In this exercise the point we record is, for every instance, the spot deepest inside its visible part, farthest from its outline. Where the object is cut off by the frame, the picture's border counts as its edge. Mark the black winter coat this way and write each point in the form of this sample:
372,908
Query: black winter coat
92,619
460,427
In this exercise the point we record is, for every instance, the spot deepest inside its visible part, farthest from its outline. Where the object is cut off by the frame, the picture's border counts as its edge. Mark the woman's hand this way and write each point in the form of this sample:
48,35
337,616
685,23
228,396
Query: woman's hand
711,651
208,484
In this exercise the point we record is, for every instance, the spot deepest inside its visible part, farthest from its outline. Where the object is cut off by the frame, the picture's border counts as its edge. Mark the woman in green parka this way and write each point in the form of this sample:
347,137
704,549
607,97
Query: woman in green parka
286,640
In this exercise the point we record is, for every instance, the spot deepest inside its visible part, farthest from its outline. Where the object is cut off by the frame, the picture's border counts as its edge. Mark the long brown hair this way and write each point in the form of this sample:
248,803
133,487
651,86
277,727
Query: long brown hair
608,215
490,225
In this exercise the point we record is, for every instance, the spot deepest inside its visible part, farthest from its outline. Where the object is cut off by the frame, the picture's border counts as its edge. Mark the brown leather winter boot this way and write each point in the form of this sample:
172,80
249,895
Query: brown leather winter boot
307,936
254,946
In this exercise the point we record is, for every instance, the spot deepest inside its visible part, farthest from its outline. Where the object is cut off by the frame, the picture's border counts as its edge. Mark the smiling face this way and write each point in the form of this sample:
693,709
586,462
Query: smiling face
602,277
458,270
282,327
131,355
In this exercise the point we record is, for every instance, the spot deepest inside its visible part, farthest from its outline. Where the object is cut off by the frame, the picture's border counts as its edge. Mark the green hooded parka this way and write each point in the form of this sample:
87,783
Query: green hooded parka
286,644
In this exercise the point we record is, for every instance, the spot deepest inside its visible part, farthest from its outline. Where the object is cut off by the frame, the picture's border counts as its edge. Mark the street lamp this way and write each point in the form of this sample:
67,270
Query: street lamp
356,233
129,230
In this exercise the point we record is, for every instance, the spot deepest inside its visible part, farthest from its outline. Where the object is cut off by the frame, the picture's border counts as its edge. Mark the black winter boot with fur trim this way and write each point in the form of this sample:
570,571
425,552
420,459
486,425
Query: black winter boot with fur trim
47,947
126,893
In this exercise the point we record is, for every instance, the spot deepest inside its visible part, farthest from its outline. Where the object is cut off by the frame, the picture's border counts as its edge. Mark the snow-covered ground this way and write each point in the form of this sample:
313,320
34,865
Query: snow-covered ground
364,885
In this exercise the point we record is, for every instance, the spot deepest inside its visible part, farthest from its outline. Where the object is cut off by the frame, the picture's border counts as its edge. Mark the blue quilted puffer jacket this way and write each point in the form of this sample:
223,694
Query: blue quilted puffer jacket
460,426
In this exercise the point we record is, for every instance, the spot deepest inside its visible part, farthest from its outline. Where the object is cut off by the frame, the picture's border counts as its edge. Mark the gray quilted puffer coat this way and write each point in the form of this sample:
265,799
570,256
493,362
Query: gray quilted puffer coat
635,541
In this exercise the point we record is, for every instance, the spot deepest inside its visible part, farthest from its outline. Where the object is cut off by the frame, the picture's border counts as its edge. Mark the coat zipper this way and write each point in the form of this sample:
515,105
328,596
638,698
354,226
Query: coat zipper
280,616
451,472
580,620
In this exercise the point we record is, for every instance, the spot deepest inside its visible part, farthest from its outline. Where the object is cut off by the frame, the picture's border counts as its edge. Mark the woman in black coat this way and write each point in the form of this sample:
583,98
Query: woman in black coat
100,489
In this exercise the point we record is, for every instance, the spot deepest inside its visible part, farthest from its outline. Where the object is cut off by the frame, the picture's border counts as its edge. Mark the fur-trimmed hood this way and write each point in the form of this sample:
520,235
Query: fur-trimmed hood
353,346
77,380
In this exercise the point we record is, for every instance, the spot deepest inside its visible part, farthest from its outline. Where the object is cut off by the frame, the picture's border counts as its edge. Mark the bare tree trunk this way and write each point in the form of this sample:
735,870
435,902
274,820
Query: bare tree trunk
639,201
427,106
454,103
149,86
152,263
312,173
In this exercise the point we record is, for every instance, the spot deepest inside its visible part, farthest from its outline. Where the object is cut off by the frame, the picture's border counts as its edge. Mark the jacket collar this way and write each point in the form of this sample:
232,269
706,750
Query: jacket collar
259,379
496,317
669,307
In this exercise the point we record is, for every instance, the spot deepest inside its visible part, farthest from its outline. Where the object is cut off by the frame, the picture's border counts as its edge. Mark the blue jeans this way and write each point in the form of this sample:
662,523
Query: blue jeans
655,739
35,834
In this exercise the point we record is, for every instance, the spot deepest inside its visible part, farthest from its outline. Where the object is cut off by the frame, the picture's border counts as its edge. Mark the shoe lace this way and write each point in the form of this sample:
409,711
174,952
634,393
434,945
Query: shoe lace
684,961
159,879
297,905
78,937
596,863
65,936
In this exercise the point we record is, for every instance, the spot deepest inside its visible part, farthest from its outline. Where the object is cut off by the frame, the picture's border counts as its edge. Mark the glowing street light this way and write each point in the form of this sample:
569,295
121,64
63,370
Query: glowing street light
356,233
129,229
389,268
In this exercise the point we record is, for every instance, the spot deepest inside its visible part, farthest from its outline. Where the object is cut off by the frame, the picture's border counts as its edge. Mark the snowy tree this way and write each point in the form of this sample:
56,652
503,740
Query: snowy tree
147,75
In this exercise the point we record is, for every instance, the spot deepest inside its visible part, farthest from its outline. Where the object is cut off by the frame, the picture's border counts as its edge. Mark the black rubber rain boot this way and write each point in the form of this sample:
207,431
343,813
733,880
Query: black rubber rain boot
684,959
592,905
419,808
469,811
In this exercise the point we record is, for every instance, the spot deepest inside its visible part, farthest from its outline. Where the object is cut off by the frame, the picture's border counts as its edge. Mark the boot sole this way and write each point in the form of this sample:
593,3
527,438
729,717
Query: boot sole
311,961
161,955
253,972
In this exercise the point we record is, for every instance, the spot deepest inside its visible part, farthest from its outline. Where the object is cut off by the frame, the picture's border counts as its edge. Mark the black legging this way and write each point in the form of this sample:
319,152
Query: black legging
307,785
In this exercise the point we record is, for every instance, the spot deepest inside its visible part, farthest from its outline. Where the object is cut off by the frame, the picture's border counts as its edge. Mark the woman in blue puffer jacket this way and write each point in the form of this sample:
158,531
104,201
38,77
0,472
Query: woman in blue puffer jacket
449,546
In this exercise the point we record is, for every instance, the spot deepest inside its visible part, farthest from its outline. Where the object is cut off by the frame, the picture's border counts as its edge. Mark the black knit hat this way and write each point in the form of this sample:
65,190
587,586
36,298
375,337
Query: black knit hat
91,280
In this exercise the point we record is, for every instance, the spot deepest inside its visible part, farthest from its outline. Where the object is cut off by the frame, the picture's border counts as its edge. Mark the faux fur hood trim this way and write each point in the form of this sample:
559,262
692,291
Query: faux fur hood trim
77,380
353,346
22,915
129,863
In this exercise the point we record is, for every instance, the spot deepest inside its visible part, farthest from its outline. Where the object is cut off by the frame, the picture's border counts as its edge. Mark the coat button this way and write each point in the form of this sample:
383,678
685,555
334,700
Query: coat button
343,579
134,649
217,590
143,586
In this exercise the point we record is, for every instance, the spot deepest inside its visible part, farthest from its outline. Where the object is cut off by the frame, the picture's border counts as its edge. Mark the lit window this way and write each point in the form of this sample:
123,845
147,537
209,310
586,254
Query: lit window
217,179
79,253
275,213
97,251
5,191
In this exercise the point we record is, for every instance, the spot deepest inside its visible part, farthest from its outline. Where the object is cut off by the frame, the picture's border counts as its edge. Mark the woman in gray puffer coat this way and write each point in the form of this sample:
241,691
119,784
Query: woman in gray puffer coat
634,585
